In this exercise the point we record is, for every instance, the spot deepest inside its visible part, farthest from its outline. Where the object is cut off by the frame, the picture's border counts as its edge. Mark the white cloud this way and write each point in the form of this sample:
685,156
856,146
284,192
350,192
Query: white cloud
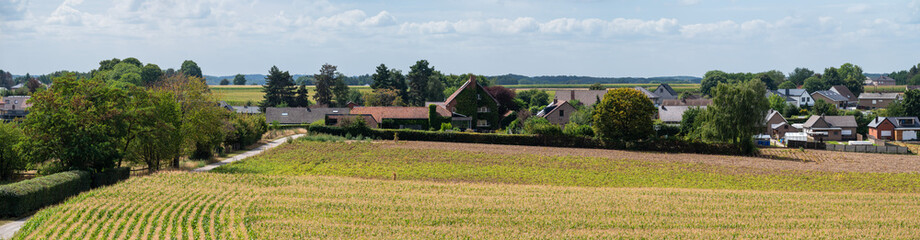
13,9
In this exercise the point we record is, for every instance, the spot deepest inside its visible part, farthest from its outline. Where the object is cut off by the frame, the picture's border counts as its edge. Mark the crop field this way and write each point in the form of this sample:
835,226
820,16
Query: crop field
249,206
885,89
412,190
240,94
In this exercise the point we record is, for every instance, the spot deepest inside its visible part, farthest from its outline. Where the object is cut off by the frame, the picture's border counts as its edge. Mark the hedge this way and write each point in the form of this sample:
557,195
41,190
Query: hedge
658,145
17,199
110,176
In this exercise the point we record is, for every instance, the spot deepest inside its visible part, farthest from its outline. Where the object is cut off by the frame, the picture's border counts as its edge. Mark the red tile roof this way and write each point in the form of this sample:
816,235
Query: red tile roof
381,113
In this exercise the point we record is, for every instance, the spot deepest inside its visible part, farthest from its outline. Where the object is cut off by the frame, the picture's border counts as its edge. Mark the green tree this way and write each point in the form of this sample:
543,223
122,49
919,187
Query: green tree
10,161
689,122
355,96
824,108
225,82
832,77
799,75
596,86
278,89
6,79
737,113
541,126
191,69
239,79
911,103
787,85
418,77
532,98
711,80
813,84
382,78
626,114
302,98
852,76
156,137
340,89
915,80
777,102
776,78
133,61
324,81
127,73
767,81
202,120
80,124
150,74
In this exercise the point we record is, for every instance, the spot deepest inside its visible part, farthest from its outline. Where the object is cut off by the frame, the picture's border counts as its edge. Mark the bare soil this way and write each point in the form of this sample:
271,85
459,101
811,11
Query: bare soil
771,159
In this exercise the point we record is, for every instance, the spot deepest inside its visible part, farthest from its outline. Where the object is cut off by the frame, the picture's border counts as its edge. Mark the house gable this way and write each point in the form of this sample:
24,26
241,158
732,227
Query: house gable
472,100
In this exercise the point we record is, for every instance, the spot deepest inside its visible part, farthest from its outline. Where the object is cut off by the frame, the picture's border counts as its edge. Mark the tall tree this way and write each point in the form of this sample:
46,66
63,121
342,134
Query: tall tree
911,103
815,83
340,89
191,69
302,98
6,79
278,89
133,61
505,98
737,113
711,80
419,76
225,81
201,122
799,75
10,161
324,81
151,73
624,114
239,79
832,77
33,85
852,76
382,79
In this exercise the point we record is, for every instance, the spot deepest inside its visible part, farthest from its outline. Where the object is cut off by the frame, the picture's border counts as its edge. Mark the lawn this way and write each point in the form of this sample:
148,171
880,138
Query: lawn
347,190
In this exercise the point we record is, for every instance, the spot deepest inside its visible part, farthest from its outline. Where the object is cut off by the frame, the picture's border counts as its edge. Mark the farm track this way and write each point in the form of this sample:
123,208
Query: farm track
773,159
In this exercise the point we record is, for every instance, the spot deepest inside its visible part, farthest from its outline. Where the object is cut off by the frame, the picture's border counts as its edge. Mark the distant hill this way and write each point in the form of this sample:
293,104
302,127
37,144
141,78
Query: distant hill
507,79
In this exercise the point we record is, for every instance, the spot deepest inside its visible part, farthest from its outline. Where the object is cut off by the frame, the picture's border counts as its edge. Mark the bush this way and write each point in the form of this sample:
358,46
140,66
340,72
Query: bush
574,129
446,127
110,176
17,199
541,126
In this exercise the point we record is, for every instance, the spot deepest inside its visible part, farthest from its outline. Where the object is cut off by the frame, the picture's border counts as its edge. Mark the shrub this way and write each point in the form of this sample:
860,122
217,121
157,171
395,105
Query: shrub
541,126
574,129
446,127
10,161
110,176
22,197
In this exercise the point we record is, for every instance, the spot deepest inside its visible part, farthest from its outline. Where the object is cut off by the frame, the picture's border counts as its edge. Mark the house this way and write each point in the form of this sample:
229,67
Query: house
699,102
673,114
471,101
14,107
585,97
799,97
831,128
398,117
845,92
880,81
877,100
776,125
664,92
651,96
830,97
557,112
338,120
246,109
894,128
300,115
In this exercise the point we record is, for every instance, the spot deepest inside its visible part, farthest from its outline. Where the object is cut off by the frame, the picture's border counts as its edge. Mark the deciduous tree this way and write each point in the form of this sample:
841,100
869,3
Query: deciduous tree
239,79
624,113
799,75
191,69
737,113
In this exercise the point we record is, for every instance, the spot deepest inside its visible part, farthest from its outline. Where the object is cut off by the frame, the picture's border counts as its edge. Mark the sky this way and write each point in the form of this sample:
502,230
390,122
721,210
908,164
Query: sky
602,38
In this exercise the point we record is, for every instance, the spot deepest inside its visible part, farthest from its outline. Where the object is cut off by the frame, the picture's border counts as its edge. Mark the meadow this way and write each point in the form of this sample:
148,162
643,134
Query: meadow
356,189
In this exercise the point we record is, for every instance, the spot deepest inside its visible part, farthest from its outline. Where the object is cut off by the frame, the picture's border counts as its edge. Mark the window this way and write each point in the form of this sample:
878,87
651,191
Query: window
284,114
874,102
483,109
804,99
907,122
847,132
886,133
482,123
478,97
561,113
17,101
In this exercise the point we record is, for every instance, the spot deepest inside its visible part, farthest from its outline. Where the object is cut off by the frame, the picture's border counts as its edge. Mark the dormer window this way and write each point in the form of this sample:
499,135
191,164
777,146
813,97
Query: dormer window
284,114
907,122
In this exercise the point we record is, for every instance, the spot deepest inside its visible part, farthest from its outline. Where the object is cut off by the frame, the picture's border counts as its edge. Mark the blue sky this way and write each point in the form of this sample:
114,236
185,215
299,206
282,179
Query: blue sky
552,37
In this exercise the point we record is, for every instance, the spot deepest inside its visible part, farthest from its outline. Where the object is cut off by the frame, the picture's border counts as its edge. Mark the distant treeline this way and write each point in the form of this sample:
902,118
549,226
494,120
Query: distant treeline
508,79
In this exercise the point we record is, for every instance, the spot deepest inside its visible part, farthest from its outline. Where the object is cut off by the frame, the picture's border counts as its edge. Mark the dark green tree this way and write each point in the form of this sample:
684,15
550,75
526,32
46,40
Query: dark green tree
824,108
302,98
689,123
419,76
596,86
852,77
151,73
324,81
911,103
278,89
832,77
799,75
133,61
340,90
6,79
191,69
814,83
239,79
711,80
225,81
624,114
787,85
737,113
10,161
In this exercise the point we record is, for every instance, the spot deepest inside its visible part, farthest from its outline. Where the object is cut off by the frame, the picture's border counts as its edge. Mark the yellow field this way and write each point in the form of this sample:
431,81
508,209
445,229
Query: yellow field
240,94
248,206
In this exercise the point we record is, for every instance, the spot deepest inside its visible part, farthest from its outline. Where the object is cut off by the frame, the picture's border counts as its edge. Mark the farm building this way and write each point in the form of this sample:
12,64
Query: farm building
831,128
14,107
894,128
557,112
877,100
300,115
880,81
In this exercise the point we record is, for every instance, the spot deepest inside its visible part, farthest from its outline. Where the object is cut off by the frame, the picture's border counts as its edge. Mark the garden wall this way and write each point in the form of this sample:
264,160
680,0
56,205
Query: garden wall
867,149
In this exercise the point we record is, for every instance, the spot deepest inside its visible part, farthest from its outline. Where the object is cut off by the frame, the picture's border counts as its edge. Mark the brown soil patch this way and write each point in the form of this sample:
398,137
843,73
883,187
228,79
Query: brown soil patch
774,159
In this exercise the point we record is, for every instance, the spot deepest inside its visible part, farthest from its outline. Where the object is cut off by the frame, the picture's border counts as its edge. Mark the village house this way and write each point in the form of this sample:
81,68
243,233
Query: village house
14,107
776,125
651,96
671,111
557,112
845,92
830,97
397,117
585,97
831,128
665,92
880,81
913,87
877,100
798,97
894,128
300,115
471,102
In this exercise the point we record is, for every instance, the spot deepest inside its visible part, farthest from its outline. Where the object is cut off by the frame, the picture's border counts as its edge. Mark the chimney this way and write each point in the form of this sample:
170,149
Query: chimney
554,101
473,79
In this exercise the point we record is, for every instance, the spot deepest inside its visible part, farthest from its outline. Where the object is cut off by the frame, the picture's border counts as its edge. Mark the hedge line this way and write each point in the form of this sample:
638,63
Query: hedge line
662,145
22,197
17,199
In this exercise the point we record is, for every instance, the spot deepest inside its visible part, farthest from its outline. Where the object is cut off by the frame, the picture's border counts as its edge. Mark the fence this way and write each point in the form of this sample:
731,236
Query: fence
867,149
804,144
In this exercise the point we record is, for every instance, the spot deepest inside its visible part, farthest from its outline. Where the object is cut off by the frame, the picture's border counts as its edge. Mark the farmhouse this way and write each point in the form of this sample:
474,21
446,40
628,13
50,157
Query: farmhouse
673,114
830,97
877,100
651,96
894,128
799,97
300,115
831,128
777,126
557,112
471,101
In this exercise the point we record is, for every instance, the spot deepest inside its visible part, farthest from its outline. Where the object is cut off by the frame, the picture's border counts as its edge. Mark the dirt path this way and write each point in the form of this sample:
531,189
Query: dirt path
782,159
247,154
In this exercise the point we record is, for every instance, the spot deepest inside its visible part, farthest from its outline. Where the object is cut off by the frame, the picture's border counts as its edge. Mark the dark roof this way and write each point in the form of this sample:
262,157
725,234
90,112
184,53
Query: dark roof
246,109
300,115
552,107
879,96
833,96
772,112
673,114
794,92
896,121
381,113
913,87
464,86
844,91
832,121
647,93
585,97
686,102
883,79
667,88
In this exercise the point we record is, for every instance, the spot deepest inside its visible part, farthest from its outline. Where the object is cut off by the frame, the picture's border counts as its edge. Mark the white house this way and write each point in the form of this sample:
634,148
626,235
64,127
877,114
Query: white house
799,97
